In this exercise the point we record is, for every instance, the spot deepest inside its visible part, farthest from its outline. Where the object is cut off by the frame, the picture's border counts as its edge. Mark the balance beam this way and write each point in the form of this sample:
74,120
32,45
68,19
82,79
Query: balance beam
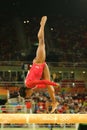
42,118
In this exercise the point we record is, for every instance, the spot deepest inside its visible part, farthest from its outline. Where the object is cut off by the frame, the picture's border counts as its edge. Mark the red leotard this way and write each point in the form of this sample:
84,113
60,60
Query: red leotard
34,75
41,86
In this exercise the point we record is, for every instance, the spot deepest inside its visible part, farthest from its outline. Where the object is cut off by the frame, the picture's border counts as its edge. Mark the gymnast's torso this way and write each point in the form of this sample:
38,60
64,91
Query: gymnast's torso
35,73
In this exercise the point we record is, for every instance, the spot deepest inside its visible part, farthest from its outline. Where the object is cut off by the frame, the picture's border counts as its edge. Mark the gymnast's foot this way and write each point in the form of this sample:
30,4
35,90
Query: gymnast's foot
54,106
43,20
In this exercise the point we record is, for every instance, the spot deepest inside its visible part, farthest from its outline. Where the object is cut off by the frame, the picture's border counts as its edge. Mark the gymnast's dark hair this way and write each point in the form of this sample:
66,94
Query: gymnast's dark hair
22,92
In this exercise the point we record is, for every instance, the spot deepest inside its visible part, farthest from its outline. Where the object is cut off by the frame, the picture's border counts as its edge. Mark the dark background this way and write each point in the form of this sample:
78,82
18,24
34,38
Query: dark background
45,7
19,10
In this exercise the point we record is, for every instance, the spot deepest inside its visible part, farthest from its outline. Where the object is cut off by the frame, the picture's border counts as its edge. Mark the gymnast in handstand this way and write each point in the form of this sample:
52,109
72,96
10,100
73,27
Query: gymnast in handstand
39,74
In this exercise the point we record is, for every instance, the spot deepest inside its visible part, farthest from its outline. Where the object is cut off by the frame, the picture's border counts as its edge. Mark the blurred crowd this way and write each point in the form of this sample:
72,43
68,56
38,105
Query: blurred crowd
69,36
68,103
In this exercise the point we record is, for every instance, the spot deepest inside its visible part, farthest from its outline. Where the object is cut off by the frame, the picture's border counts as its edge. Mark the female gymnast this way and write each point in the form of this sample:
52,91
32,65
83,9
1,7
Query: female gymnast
39,74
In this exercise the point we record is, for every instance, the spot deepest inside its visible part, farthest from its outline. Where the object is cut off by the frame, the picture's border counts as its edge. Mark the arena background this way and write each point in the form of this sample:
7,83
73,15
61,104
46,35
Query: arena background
66,46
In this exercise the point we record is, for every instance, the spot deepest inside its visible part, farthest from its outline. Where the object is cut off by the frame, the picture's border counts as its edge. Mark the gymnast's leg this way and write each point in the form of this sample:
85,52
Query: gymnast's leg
41,53
51,90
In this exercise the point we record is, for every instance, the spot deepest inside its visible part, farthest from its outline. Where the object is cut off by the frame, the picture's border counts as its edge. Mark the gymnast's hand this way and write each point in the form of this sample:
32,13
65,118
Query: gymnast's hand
58,85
